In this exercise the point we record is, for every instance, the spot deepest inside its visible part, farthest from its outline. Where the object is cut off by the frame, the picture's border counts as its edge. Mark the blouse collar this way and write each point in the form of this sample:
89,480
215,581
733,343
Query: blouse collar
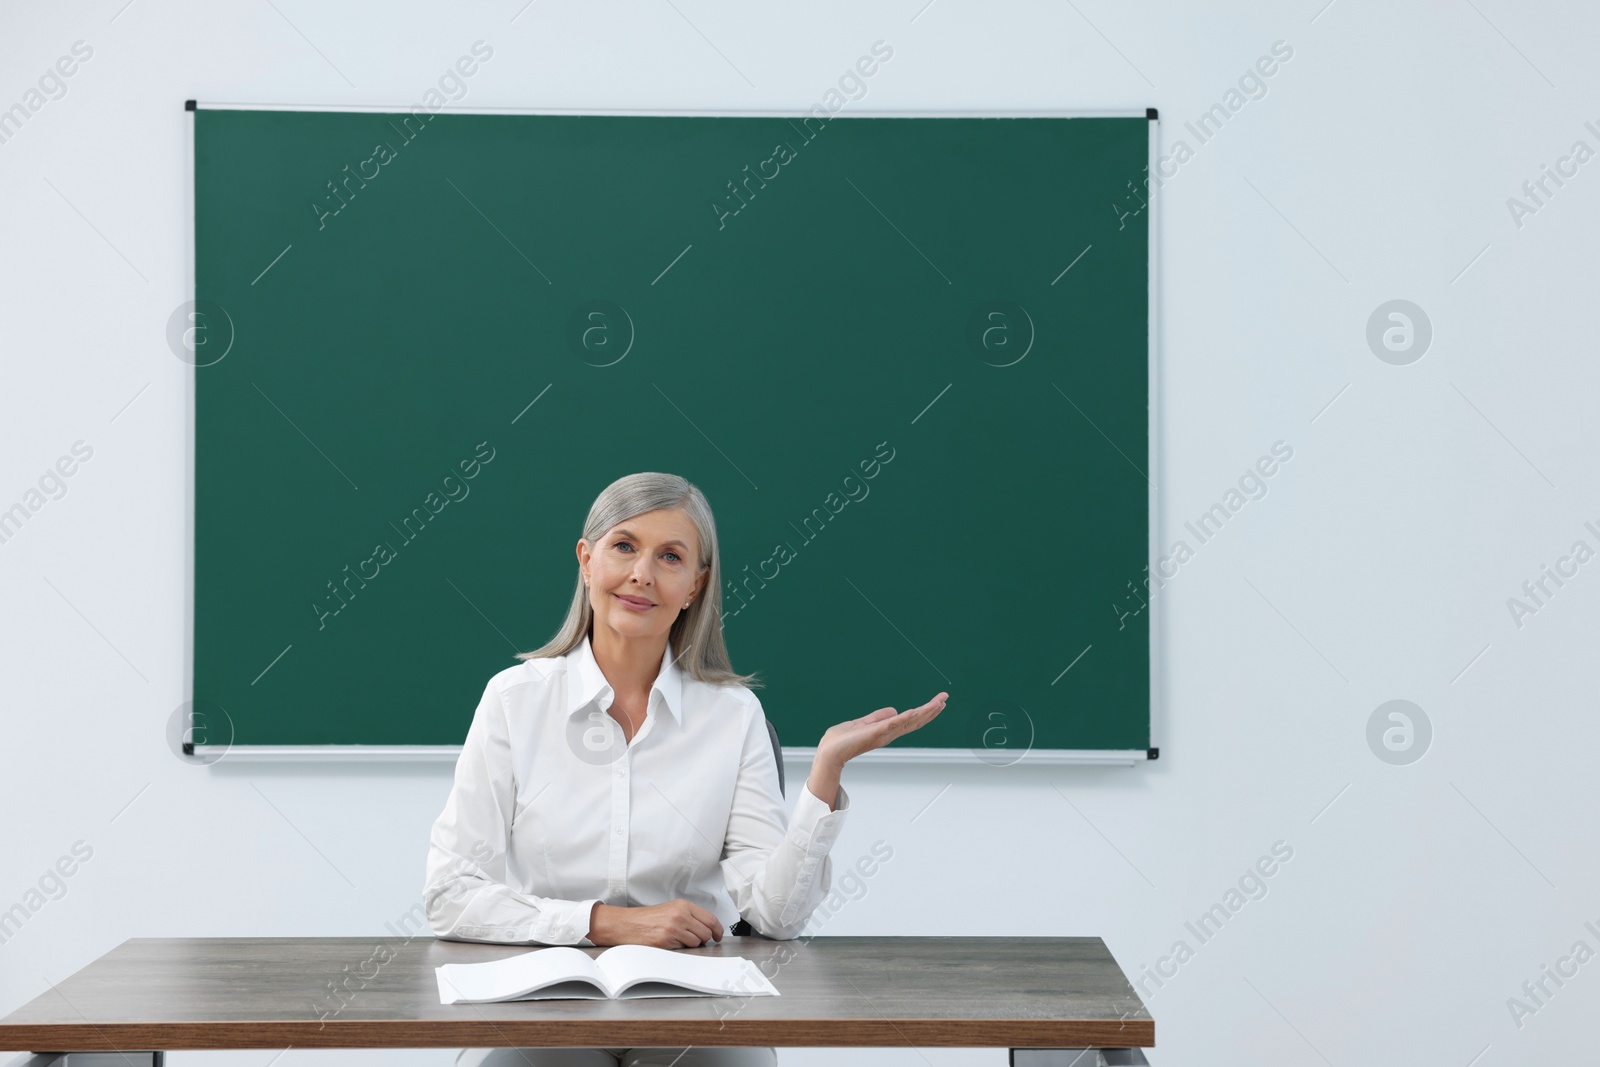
586,681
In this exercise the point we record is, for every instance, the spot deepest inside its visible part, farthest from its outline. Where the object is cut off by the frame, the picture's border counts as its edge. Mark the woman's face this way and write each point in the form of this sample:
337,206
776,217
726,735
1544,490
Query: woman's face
642,572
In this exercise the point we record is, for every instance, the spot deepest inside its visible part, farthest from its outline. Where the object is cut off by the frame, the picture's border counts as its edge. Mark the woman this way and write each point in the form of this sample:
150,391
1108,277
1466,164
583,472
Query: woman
619,787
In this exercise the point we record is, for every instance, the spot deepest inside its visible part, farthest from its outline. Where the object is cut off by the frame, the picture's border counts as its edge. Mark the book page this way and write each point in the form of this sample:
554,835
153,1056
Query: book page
543,974
635,971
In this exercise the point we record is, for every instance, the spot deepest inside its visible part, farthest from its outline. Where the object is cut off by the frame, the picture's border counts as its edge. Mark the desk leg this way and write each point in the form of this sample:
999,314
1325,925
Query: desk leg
1078,1057
90,1059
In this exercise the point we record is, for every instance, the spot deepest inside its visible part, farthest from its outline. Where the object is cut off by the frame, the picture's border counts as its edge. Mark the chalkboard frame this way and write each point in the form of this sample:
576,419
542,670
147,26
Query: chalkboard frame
189,737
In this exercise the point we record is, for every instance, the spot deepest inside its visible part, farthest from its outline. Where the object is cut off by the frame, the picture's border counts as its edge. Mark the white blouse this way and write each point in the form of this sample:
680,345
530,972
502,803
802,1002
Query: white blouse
551,811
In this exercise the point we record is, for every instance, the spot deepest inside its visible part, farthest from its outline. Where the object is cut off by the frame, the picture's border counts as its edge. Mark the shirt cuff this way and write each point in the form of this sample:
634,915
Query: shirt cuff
578,921
559,923
813,826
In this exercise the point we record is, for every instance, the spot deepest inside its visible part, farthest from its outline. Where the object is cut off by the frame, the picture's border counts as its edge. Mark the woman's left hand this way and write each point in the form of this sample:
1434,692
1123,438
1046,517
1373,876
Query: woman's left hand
848,740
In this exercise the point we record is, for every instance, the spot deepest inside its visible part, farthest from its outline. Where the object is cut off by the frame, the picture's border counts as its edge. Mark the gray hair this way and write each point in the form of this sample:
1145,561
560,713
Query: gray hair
695,641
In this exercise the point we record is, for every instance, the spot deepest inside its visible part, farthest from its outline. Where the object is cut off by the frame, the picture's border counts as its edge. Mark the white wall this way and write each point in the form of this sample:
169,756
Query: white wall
1377,166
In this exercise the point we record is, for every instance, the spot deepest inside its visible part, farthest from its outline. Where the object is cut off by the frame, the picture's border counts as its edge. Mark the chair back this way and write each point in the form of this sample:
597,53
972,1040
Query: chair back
777,753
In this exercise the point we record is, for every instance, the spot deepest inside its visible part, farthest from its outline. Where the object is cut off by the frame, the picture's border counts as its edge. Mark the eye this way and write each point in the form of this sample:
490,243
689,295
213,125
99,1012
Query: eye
620,544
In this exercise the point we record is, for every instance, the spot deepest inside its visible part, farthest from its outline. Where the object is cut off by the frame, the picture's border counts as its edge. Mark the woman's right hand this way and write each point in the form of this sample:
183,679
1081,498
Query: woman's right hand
675,924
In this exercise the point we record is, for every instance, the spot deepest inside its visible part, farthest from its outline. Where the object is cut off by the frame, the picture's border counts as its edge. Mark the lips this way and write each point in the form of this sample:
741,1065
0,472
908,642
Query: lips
634,601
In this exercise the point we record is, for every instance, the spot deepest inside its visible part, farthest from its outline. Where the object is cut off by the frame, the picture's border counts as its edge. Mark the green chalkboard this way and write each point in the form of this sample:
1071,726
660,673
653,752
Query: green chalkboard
443,334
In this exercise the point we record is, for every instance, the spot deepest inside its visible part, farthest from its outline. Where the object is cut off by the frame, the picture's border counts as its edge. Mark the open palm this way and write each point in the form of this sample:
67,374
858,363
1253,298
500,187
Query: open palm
850,739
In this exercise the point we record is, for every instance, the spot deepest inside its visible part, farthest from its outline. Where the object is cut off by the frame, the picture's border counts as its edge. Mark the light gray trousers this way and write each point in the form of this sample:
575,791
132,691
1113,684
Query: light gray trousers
693,1056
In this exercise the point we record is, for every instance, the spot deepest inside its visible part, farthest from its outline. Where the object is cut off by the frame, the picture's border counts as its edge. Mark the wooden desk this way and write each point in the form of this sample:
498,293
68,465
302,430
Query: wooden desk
261,993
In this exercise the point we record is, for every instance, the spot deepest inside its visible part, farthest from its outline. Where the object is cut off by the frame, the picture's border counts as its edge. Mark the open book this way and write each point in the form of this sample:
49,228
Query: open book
621,972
